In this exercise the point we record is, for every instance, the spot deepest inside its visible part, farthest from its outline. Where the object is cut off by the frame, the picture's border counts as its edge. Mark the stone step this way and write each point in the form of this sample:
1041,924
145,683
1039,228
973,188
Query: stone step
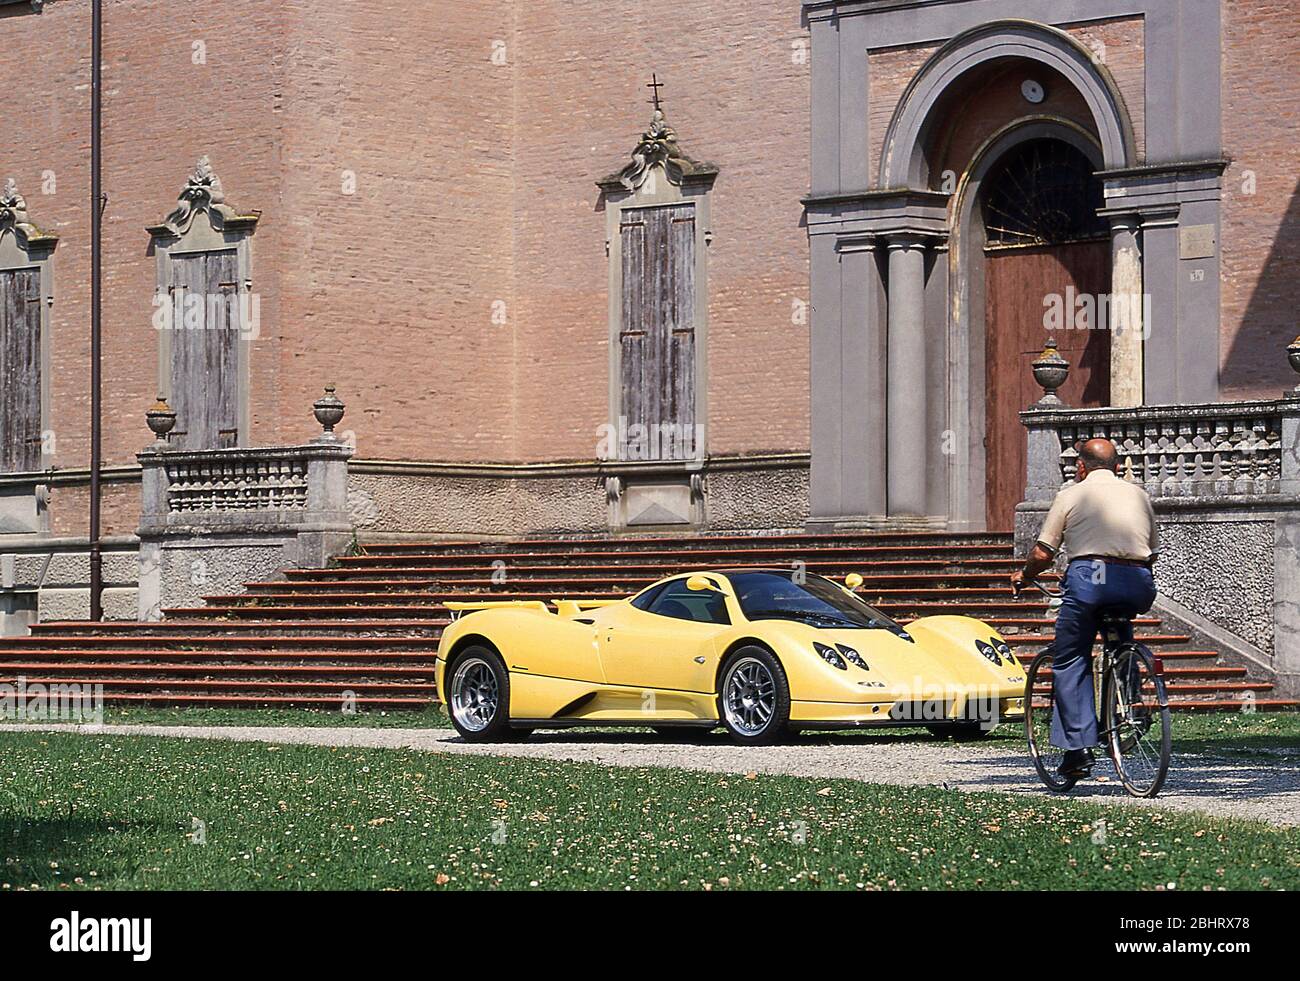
249,686
164,667
419,660
938,598
696,558
77,628
693,540
902,574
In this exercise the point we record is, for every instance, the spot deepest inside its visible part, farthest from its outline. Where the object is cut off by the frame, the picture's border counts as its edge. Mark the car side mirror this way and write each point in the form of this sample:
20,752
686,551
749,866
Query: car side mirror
702,584
852,580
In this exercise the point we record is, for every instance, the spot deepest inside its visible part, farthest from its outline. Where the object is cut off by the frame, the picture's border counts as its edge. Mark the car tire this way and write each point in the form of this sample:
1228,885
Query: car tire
754,697
478,697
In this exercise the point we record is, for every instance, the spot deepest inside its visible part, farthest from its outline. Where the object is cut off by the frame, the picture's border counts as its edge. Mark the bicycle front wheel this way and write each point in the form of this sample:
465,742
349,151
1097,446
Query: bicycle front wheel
1136,721
1039,704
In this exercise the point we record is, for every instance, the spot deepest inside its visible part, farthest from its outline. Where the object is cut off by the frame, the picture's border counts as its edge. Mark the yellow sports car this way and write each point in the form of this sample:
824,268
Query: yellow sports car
762,652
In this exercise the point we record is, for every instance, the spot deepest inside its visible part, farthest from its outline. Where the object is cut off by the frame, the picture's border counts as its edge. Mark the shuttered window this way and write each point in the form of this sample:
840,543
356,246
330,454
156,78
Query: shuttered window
20,370
657,333
205,349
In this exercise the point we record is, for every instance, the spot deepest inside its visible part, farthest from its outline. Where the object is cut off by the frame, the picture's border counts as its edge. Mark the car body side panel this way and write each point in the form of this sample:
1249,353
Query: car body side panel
648,651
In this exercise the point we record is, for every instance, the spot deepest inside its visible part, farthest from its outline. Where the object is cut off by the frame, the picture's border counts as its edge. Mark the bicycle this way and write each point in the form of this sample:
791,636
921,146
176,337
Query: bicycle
1134,710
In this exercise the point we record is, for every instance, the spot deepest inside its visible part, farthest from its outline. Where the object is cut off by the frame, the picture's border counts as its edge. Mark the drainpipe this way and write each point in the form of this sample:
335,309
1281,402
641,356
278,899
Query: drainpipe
96,216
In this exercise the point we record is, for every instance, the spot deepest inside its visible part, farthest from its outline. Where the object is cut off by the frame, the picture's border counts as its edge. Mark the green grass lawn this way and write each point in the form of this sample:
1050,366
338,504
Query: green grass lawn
430,718
124,812
1233,733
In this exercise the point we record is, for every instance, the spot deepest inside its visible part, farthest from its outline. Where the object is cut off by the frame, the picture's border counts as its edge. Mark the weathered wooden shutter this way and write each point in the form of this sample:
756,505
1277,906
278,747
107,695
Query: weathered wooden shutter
205,350
20,370
657,335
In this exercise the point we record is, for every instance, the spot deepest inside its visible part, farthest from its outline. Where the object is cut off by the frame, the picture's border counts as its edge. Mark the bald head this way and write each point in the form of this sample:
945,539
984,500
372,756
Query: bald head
1098,454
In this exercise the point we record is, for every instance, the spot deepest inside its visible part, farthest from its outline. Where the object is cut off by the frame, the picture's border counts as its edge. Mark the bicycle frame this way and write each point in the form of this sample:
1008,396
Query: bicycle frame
1111,717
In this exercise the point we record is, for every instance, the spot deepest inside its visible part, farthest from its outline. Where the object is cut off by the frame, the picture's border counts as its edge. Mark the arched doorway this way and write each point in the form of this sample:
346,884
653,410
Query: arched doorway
1047,271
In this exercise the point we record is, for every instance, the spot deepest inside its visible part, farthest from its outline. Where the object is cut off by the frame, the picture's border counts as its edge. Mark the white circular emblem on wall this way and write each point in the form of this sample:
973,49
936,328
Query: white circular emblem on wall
1032,91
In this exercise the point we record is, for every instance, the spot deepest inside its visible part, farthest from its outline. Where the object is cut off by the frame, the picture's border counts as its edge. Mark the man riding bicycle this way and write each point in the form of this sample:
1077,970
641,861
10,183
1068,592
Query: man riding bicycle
1107,528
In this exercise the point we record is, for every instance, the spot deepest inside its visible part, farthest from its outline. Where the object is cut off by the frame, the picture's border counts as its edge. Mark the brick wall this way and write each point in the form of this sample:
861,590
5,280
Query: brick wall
736,95
475,131
1260,235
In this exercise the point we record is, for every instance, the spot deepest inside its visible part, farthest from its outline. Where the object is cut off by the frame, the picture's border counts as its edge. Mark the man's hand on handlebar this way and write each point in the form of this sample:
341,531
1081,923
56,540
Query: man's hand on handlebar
1039,560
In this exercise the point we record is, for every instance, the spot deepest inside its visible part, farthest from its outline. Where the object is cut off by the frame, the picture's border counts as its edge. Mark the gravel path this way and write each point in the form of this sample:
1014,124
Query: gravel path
1263,787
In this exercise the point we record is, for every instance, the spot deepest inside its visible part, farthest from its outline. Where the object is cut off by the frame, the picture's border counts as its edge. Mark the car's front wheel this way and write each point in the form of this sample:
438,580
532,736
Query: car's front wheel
478,696
754,697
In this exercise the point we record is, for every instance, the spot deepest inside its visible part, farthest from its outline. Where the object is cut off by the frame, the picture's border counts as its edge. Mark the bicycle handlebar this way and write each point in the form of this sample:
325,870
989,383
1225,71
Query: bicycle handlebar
1038,586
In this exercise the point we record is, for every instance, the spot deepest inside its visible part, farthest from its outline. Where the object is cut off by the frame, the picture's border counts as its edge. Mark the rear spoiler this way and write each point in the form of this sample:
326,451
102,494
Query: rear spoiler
563,607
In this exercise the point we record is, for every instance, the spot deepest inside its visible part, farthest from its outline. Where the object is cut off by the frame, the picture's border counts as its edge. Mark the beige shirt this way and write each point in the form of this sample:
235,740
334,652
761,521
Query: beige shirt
1102,515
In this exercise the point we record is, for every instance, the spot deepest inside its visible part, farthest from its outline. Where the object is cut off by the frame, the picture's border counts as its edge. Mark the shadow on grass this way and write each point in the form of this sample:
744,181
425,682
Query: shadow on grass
47,853
1189,776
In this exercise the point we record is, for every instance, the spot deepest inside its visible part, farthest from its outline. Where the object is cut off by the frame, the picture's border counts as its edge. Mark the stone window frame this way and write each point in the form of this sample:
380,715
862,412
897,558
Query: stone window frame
223,228
23,245
659,175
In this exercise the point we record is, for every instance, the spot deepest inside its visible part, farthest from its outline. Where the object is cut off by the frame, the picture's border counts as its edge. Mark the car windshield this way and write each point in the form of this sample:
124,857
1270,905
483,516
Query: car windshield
811,599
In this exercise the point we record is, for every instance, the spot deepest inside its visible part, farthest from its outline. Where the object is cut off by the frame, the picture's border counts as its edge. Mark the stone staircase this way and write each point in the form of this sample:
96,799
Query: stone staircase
365,631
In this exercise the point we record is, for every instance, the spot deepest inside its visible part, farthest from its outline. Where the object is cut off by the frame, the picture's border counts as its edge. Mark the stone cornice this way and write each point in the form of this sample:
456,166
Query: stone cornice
130,473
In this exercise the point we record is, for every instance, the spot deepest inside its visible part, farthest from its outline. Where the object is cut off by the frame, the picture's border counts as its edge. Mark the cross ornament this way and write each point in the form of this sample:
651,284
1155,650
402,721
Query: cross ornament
654,85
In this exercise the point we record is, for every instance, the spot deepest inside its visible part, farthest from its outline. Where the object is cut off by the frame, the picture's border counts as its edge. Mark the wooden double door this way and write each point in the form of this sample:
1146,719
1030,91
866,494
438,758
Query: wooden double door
1021,285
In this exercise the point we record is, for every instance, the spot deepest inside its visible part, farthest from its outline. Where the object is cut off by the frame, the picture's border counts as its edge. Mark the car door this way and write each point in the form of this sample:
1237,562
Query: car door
670,645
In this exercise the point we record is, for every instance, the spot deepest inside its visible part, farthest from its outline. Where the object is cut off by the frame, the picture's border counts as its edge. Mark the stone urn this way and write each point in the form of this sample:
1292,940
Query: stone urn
1050,371
329,411
161,419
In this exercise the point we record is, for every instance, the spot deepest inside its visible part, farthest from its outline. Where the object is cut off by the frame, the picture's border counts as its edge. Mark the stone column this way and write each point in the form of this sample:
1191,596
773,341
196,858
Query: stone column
908,439
1160,283
1127,319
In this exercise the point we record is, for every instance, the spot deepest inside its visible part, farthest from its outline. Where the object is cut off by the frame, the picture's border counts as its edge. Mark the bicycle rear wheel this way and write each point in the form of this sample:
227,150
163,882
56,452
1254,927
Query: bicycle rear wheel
1135,720
1039,703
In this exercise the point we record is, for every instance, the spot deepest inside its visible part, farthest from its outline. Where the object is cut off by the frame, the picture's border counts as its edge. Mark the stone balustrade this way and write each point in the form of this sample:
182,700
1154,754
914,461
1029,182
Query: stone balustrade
1217,450
212,520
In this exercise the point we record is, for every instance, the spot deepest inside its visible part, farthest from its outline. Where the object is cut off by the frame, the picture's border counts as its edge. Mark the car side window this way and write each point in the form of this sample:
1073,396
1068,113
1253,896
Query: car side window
675,600
643,601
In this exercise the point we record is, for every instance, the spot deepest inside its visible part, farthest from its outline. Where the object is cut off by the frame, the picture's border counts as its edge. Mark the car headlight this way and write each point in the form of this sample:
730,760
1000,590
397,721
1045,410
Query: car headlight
853,656
830,655
989,652
1003,648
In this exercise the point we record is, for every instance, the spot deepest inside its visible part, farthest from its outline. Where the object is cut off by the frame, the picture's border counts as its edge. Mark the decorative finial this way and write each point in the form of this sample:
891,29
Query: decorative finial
1050,371
329,412
161,419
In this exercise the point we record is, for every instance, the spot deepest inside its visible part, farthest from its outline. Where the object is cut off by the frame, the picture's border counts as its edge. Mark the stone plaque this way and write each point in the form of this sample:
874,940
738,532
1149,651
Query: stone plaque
1196,242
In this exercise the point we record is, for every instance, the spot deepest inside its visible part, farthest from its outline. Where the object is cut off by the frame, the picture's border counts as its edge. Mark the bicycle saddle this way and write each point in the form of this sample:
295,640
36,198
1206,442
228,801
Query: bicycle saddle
1114,614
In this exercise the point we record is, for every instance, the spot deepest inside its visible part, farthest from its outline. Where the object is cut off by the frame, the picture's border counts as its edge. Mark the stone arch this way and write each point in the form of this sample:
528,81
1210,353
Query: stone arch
903,156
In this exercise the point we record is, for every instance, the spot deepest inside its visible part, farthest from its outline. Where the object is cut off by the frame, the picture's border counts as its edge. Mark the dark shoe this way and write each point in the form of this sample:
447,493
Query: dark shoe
1075,763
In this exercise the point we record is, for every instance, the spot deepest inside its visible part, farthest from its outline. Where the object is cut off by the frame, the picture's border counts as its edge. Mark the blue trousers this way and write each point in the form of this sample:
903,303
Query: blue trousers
1089,585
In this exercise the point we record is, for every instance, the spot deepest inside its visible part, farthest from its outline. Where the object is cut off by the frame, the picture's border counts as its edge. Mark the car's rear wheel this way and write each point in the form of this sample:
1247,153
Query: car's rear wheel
478,697
754,697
